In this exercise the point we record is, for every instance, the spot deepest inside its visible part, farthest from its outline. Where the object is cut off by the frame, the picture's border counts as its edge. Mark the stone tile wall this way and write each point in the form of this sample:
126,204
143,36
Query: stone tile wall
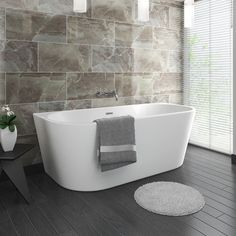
54,59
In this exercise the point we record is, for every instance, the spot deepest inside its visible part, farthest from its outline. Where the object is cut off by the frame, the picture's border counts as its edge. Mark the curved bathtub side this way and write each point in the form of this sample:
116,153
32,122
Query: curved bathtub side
69,152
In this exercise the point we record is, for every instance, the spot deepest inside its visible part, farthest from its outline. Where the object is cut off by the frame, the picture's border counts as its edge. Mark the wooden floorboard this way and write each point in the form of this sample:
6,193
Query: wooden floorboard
7,228
56,211
169,177
229,171
228,220
201,169
3,213
203,182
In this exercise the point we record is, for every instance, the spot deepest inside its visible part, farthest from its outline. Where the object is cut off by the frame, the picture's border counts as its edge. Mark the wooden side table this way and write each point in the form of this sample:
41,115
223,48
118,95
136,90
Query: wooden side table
11,164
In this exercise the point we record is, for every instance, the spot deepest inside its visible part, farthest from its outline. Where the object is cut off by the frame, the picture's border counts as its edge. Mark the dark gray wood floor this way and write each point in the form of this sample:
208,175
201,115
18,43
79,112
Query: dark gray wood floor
56,211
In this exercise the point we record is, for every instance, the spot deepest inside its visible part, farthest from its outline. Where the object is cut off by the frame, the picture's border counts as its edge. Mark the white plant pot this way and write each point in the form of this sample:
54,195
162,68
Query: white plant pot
8,139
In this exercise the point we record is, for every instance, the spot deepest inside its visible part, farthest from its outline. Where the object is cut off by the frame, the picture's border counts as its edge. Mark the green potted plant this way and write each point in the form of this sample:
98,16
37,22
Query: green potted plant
8,130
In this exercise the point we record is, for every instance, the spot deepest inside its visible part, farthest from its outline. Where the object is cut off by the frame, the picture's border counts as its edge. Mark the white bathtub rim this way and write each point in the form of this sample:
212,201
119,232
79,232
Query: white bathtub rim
46,115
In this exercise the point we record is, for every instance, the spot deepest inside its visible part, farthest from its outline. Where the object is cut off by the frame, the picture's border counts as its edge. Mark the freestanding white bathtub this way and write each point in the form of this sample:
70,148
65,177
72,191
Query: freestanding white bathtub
67,141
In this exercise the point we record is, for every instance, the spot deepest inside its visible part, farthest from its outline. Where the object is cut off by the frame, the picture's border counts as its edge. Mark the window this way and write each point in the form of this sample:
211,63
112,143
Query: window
208,74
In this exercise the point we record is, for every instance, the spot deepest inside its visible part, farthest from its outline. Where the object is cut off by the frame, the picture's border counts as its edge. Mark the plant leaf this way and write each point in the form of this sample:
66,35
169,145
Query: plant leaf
11,118
7,120
3,123
3,126
4,118
12,128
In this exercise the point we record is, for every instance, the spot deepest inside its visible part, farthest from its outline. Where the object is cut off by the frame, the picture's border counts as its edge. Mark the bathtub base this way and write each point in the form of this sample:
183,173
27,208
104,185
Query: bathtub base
95,189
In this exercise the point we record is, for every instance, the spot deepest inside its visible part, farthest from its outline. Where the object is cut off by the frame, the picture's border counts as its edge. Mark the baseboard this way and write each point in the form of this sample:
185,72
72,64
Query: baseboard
233,158
29,170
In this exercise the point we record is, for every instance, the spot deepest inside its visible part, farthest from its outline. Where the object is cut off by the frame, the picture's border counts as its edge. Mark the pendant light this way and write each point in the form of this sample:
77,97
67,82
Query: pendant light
143,10
80,6
188,13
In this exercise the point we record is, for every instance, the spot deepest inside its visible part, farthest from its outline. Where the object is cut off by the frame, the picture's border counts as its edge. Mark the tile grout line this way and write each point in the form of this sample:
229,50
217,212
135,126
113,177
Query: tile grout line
76,100
5,87
91,58
38,57
220,215
5,36
66,88
67,18
91,72
5,24
224,221
94,45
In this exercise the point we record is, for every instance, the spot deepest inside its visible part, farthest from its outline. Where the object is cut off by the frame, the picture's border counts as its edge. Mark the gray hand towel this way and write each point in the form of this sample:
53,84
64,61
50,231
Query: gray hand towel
116,142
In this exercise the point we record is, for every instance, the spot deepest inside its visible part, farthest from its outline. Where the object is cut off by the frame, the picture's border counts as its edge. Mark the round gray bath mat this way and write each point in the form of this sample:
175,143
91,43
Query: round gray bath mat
169,198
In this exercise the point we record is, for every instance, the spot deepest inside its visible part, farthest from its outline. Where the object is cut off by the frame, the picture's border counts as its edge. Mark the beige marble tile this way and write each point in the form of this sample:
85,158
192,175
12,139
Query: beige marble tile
142,99
32,26
90,31
134,84
111,102
2,88
143,61
175,62
20,4
64,58
127,84
51,106
168,82
64,7
176,17
109,59
24,118
121,10
128,35
86,85
35,87
147,60
56,6
172,3
2,24
78,104
2,57
176,98
18,56
166,39
160,98
159,15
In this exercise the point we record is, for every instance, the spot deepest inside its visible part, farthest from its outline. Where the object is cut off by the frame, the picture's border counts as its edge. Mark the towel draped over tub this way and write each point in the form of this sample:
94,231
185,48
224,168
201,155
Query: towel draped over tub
116,142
